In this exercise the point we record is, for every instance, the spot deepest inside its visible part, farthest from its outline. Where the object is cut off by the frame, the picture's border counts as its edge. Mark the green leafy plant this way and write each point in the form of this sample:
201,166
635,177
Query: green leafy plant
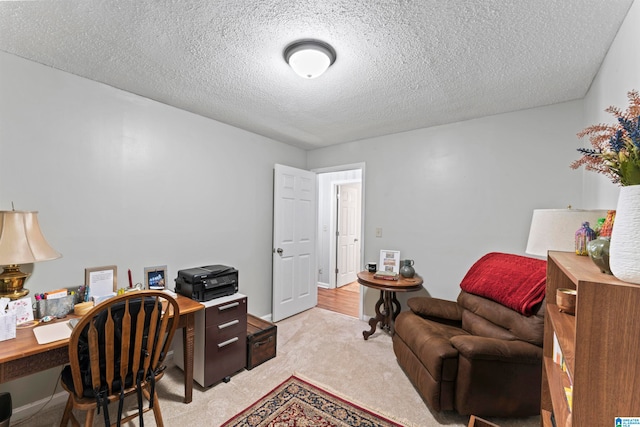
616,148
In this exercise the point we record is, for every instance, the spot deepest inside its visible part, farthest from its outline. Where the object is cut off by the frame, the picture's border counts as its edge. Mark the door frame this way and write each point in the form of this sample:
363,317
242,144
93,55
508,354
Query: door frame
332,256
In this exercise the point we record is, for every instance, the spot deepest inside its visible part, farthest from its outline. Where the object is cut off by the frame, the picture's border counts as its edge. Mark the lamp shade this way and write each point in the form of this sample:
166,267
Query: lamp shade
21,240
309,58
554,229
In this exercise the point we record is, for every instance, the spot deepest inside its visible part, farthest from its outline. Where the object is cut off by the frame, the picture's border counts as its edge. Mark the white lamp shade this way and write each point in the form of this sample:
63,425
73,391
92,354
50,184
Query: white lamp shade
21,240
309,63
555,229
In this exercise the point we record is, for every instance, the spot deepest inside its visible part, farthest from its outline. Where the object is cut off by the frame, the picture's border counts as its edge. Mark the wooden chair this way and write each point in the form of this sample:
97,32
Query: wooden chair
117,349
479,422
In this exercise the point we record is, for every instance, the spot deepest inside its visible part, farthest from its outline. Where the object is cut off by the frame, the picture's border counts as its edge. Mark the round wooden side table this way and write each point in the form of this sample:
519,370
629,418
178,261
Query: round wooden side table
388,301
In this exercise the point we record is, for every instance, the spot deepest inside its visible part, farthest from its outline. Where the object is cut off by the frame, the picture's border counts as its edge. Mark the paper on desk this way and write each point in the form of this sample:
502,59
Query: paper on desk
53,332
23,309
7,321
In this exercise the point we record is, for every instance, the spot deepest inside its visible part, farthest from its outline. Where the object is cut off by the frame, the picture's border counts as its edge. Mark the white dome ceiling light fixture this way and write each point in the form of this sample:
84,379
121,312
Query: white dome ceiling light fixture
309,58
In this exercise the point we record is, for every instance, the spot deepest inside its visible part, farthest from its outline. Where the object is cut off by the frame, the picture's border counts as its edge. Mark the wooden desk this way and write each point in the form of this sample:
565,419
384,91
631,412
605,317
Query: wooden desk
387,300
23,355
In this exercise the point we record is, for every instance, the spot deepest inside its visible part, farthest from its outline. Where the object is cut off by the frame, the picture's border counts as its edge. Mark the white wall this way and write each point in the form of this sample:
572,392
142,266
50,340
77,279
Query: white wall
119,179
446,195
618,74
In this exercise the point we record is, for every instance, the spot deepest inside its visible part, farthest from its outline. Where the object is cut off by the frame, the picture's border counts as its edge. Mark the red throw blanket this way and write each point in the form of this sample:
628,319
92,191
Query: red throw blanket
514,281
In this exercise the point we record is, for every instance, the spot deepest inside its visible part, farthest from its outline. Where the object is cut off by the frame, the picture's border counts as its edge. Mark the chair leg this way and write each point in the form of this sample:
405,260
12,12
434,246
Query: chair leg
90,415
157,413
67,412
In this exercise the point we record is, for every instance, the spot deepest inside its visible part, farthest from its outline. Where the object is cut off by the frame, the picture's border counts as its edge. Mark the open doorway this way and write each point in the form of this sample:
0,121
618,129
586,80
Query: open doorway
339,255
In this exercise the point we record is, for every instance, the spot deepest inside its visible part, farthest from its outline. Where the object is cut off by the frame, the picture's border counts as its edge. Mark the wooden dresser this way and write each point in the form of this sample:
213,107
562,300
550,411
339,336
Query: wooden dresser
600,345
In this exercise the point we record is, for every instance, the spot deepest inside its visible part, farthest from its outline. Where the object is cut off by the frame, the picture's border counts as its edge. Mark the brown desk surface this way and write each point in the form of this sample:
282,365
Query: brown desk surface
23,355
25,343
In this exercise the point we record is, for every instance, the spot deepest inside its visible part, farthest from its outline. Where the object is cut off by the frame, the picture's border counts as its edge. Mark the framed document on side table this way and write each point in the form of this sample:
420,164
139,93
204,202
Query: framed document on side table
389,261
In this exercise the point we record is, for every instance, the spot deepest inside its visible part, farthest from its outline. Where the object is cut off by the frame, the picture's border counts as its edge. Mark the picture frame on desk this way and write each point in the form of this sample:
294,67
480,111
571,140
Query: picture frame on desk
389,261
155,277
101,281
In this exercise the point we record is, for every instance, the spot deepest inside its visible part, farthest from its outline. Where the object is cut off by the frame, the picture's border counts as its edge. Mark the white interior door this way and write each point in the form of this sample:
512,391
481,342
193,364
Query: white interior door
348,230
294,221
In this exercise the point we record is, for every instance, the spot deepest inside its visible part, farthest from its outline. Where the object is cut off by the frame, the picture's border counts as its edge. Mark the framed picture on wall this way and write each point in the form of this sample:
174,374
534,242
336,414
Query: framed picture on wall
155,277
389,261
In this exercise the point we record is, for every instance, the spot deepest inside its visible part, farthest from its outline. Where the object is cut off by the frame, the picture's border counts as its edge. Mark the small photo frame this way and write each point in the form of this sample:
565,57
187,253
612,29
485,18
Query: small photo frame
101,281
155,277
389,261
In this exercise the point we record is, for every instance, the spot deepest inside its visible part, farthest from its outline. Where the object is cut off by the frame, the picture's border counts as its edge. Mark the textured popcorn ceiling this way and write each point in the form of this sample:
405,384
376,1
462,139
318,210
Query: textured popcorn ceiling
401,64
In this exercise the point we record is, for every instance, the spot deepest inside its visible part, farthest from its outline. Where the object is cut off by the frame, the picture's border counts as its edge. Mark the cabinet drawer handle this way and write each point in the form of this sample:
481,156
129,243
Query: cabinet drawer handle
226,325
227,342
228,306
263,342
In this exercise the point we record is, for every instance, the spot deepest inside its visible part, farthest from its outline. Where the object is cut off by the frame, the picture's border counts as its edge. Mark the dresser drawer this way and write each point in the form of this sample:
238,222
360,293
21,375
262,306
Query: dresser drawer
226,311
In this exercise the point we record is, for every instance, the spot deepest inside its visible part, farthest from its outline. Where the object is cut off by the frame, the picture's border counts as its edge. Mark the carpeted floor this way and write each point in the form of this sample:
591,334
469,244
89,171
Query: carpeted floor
324,347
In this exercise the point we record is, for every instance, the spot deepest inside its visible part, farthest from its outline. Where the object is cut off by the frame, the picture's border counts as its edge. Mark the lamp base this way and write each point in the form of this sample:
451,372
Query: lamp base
11,282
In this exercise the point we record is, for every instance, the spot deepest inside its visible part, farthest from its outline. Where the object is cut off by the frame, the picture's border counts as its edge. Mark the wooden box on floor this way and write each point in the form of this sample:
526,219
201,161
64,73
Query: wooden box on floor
479,422
262,338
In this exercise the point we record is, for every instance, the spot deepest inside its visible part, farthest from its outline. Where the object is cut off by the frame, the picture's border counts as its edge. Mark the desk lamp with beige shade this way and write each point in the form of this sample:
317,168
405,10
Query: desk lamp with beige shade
21,242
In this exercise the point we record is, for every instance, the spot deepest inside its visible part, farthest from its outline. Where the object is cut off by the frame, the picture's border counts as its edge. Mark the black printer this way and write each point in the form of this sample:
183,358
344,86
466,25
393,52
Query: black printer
208,282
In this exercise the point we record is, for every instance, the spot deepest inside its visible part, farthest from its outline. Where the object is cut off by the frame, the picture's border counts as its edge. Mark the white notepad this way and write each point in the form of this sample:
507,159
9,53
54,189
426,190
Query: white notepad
53,332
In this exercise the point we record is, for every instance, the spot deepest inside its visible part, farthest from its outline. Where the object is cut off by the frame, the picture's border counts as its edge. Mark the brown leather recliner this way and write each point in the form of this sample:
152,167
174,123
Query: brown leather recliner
476,355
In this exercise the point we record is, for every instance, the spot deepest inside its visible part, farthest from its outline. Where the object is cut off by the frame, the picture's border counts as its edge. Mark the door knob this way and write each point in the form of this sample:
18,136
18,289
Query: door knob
280,251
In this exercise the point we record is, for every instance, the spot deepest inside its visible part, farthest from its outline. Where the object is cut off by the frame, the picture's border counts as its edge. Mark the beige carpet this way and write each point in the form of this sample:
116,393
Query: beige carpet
324,347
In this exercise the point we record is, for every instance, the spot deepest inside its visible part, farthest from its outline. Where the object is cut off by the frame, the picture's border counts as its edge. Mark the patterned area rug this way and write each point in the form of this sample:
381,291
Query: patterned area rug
297,403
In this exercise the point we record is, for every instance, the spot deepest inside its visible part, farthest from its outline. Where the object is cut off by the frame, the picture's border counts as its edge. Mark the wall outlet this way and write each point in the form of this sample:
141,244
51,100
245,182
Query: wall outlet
379,232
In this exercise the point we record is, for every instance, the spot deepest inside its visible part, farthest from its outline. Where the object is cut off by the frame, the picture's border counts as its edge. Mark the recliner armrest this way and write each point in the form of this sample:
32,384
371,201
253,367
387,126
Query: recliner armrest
483,348
436,309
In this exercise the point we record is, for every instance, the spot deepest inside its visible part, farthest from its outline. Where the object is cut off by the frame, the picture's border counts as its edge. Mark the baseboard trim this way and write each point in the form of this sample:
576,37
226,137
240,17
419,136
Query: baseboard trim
30,409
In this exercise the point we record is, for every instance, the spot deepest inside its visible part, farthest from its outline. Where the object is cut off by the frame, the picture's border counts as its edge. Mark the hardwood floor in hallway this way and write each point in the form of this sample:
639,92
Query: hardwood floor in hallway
345,299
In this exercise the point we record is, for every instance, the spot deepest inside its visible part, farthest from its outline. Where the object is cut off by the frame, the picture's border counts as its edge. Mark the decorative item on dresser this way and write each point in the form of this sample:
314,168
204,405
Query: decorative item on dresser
616,154
595,380
584,235
624,251
599,248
